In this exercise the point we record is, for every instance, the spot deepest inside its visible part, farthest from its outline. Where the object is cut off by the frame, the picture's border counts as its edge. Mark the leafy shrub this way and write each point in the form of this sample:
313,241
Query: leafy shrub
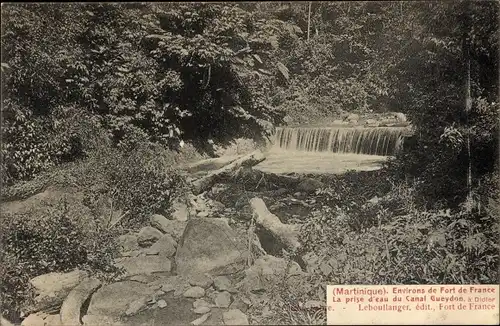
285,304
137,184
57,238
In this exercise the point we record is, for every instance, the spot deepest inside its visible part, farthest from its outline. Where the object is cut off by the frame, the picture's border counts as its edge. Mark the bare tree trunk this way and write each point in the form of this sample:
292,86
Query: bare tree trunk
206,182
468,105
309,22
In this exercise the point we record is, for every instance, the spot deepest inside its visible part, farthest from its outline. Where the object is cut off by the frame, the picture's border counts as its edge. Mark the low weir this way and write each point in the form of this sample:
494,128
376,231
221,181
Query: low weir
380,141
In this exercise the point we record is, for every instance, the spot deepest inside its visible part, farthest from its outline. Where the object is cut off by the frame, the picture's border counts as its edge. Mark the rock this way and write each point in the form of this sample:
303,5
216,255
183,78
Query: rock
223,299
51,289
172,283
201,310
223,283
200,320
238,303
168,288
235,317
172,227
114,299
217,206
39,319
141,278
36,319
144,264
203,281
309,185
374,201
400,117
180,211
387,122
337,122
159,222
162,303
128,242
218,189
136,306
210,246
372,123
5,322
352,117
165,247
325,268
180,289
134,253
148,235
70,309
94,320
203,214
51,320
266,272
298,194
200,303
194,292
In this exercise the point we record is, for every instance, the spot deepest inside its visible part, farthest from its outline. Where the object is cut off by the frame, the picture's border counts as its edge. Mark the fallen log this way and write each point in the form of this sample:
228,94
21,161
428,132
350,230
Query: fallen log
206,182
281,235
210,164
70,309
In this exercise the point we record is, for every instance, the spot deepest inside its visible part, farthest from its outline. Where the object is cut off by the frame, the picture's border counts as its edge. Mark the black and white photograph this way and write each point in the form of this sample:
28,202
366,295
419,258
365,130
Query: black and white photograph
227,163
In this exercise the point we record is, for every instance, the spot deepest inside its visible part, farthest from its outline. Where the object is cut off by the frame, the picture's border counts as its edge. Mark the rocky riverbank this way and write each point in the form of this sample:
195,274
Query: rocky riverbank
209,260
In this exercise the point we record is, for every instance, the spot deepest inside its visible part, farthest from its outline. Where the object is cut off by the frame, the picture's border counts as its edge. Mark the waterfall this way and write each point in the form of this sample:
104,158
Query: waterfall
382,141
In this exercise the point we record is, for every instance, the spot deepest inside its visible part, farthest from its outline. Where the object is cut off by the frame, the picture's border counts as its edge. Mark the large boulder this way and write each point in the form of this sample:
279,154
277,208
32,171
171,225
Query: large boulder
210,246
180,211
235,317
353,117
165,247
148,235
94,320
173,227
51,289
144,264
38,319
114,300
128,242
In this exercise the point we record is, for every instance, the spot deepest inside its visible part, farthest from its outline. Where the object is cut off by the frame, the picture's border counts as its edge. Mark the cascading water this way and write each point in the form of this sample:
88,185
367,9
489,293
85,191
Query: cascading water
380,141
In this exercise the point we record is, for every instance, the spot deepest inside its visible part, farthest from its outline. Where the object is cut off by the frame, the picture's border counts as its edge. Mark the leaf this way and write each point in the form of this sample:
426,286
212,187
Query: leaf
284,70
266,72
237,60
257,57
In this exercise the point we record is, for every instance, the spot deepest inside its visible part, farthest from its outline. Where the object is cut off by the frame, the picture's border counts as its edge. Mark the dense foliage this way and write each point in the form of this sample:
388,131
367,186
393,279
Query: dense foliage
147,72
58,238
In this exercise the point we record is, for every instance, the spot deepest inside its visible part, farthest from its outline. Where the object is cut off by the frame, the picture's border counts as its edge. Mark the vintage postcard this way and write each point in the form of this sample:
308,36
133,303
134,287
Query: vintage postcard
250,163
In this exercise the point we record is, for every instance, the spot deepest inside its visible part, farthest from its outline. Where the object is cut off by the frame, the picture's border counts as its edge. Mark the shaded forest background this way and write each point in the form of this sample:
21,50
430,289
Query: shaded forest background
106,96
171,73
